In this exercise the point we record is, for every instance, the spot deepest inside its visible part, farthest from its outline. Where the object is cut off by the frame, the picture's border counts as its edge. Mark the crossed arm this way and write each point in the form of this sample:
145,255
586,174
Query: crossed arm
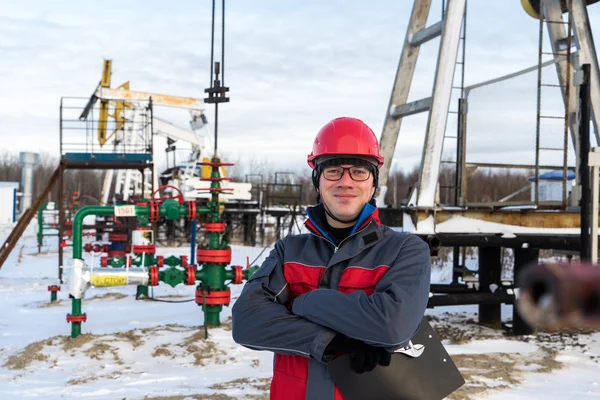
387,318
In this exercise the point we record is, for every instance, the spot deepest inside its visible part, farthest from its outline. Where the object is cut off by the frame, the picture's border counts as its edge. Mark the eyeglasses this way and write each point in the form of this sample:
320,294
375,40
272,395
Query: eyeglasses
356,173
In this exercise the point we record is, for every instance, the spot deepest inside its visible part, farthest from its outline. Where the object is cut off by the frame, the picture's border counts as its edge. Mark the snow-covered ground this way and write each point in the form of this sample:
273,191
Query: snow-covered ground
156,350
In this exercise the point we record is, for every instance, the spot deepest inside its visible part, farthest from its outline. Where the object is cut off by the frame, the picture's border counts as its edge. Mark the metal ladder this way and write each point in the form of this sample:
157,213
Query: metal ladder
449,28
562,43
577,35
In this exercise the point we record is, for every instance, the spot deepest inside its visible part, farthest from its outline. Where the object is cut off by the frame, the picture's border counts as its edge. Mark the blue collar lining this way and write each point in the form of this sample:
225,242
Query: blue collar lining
366,212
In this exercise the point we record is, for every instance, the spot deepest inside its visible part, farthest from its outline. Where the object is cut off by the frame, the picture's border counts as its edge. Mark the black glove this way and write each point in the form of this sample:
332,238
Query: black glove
363,357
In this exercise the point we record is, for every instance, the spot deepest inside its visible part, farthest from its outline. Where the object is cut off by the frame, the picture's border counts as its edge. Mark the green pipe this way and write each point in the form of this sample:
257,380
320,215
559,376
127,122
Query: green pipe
76,311
169,209
228,275
215,276
172,276
102,211
248,272
201,274
212,275
211,315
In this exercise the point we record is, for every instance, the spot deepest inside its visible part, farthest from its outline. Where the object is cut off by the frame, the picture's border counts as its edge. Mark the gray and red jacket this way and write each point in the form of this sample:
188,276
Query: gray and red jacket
373,287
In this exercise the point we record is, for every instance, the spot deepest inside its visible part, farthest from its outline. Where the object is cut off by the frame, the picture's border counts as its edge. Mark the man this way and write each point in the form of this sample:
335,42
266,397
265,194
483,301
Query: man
349,286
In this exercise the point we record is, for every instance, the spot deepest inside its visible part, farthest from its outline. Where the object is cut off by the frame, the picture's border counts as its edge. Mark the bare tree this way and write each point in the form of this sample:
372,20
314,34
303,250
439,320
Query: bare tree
485,185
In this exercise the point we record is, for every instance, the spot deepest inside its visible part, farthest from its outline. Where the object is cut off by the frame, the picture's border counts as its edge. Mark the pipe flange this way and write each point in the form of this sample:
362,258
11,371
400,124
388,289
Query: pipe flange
238,274
213,297
213,256
191,214
212,227
154,211
191,275
153,275
76,318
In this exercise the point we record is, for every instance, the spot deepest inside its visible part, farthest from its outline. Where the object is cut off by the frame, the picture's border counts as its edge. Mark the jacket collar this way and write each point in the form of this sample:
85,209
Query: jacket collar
317,221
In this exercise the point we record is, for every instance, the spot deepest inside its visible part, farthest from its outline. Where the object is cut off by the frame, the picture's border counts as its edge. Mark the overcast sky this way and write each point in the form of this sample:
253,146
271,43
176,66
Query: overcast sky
291,65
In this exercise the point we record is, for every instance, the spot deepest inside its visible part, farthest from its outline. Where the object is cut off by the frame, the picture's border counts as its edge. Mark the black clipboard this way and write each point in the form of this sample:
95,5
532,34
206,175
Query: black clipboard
430,376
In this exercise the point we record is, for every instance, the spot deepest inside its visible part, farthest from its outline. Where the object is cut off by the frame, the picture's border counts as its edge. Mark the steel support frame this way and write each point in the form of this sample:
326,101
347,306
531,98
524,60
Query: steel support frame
401,87
490,270
594,163
438,115
523,258
492,300
587,55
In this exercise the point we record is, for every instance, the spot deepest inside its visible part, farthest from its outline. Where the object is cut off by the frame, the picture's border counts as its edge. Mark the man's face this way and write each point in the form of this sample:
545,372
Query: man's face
346,197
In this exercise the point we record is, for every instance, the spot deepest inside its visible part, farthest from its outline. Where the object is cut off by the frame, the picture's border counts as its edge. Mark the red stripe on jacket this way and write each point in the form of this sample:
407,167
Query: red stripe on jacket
290,373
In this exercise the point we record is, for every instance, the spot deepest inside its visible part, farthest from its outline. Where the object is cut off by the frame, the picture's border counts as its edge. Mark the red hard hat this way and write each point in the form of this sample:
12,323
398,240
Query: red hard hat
345,136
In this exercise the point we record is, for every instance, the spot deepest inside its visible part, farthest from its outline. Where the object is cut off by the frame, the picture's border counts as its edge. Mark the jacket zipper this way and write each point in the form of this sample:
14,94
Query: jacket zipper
354,234
336,248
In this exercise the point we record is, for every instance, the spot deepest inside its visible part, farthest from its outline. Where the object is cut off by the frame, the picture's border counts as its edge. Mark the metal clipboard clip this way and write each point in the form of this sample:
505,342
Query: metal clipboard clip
412,350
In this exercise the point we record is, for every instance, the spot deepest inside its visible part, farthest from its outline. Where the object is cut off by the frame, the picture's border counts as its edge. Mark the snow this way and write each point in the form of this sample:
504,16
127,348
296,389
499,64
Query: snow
491,346
576,381
144,349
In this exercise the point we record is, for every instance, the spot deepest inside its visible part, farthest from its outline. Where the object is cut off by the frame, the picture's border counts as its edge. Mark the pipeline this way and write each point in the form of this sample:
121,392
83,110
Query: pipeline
560,296
144,269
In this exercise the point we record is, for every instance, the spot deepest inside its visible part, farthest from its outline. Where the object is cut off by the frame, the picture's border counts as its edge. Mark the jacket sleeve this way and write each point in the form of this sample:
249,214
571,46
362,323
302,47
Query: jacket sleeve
387,318
262,321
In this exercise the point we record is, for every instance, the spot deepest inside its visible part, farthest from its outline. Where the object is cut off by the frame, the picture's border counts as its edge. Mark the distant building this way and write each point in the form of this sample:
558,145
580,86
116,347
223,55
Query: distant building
8,202
551,186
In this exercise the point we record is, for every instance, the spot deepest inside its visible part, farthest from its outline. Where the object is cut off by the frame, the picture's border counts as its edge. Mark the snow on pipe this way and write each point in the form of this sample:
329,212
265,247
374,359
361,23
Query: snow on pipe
560,296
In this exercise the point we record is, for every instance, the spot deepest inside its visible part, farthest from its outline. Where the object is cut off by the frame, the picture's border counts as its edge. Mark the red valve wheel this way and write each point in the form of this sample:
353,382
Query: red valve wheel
160,199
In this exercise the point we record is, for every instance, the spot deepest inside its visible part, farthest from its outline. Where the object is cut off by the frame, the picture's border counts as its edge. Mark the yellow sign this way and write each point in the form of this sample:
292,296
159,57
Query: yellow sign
108,280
